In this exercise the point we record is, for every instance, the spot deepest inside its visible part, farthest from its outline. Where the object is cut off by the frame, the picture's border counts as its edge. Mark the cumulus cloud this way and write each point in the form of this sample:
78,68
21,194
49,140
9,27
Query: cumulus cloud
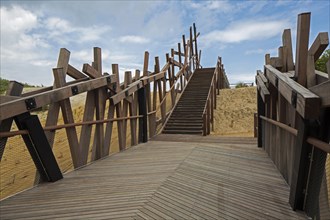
221,6
261,51
133,39
246,30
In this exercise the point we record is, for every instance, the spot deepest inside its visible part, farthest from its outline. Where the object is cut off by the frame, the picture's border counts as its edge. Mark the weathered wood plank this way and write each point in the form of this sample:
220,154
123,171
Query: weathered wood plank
16,107
303,27
322,90
288,64
306,103
59,76
14,90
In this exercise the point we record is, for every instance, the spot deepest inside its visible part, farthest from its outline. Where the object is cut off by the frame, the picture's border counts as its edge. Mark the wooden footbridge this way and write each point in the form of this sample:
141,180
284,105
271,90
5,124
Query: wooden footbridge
167,167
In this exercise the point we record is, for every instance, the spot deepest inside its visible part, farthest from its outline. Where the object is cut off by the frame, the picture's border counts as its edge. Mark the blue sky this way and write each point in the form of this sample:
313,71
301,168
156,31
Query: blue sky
241,32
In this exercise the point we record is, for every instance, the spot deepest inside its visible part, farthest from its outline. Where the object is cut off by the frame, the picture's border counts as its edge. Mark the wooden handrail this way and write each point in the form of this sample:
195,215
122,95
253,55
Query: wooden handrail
289,129
58,127
311,140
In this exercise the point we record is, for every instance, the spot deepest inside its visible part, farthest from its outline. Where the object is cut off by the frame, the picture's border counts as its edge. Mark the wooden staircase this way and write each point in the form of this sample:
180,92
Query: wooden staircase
187,117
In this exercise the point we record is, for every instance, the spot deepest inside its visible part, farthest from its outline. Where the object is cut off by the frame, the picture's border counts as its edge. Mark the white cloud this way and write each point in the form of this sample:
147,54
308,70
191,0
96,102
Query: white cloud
261,51
17,19
220,6
246,30
241,77
133,39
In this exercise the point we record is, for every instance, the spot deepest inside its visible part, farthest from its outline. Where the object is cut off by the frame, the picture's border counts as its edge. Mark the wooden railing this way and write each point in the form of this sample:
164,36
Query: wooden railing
219,81
107,101
294,119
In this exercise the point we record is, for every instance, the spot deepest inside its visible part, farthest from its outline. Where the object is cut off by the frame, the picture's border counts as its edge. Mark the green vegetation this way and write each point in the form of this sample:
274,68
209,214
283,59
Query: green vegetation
241,85
4,83
321,63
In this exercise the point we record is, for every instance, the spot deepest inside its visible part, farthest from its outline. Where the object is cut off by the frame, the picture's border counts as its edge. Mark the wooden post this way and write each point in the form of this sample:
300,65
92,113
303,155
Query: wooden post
143,122
300,165
267,59
261,112
68,118
126,104
196,50
303,27
54,108
118,107
86,130
98,147
180,61
191,49
255,125
38,146
287,51
14,89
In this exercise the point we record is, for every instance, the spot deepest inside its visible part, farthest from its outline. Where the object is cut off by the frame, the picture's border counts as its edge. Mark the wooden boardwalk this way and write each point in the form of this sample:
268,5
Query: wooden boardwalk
170,177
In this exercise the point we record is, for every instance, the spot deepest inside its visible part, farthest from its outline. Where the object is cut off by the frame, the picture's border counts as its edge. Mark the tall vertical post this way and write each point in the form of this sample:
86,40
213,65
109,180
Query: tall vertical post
261,112
196,50
143,121
302,47
300,165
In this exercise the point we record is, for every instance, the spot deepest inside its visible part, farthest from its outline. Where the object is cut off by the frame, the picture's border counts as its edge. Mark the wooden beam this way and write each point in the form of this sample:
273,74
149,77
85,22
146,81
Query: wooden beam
319,45
323,91
143,122
74,73
39,147
54,107
267,59
306,103
287,51
196,50
17,107
68,118
300,165
303,28
14,90
263,90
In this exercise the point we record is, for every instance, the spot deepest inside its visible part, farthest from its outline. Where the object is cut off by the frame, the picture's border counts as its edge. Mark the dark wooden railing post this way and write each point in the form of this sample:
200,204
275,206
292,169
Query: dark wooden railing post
261,111
143,121
14,89
38,146
300,165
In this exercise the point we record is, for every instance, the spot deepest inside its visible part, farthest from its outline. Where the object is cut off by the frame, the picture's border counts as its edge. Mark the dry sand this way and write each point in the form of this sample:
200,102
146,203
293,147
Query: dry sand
235,112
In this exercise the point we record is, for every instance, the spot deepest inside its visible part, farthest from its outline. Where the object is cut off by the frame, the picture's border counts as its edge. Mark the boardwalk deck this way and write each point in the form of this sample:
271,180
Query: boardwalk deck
170,177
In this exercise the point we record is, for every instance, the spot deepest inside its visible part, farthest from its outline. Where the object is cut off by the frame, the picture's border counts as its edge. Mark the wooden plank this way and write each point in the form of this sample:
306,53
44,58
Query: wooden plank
74,73
16,107
303,28
267,59
14,89
100,100
68,118
263,90
54,107
180,61
86,130
287,51
307,103
319,45
120,126
300,165
196,50
191,47
322,90
127,81
143,122
134,113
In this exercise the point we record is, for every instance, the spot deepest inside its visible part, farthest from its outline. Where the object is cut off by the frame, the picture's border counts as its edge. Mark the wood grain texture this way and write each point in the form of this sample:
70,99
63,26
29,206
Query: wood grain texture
194,178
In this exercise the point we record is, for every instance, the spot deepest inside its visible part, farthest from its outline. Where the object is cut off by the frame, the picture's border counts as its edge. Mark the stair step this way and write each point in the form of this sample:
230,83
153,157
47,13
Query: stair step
182,132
